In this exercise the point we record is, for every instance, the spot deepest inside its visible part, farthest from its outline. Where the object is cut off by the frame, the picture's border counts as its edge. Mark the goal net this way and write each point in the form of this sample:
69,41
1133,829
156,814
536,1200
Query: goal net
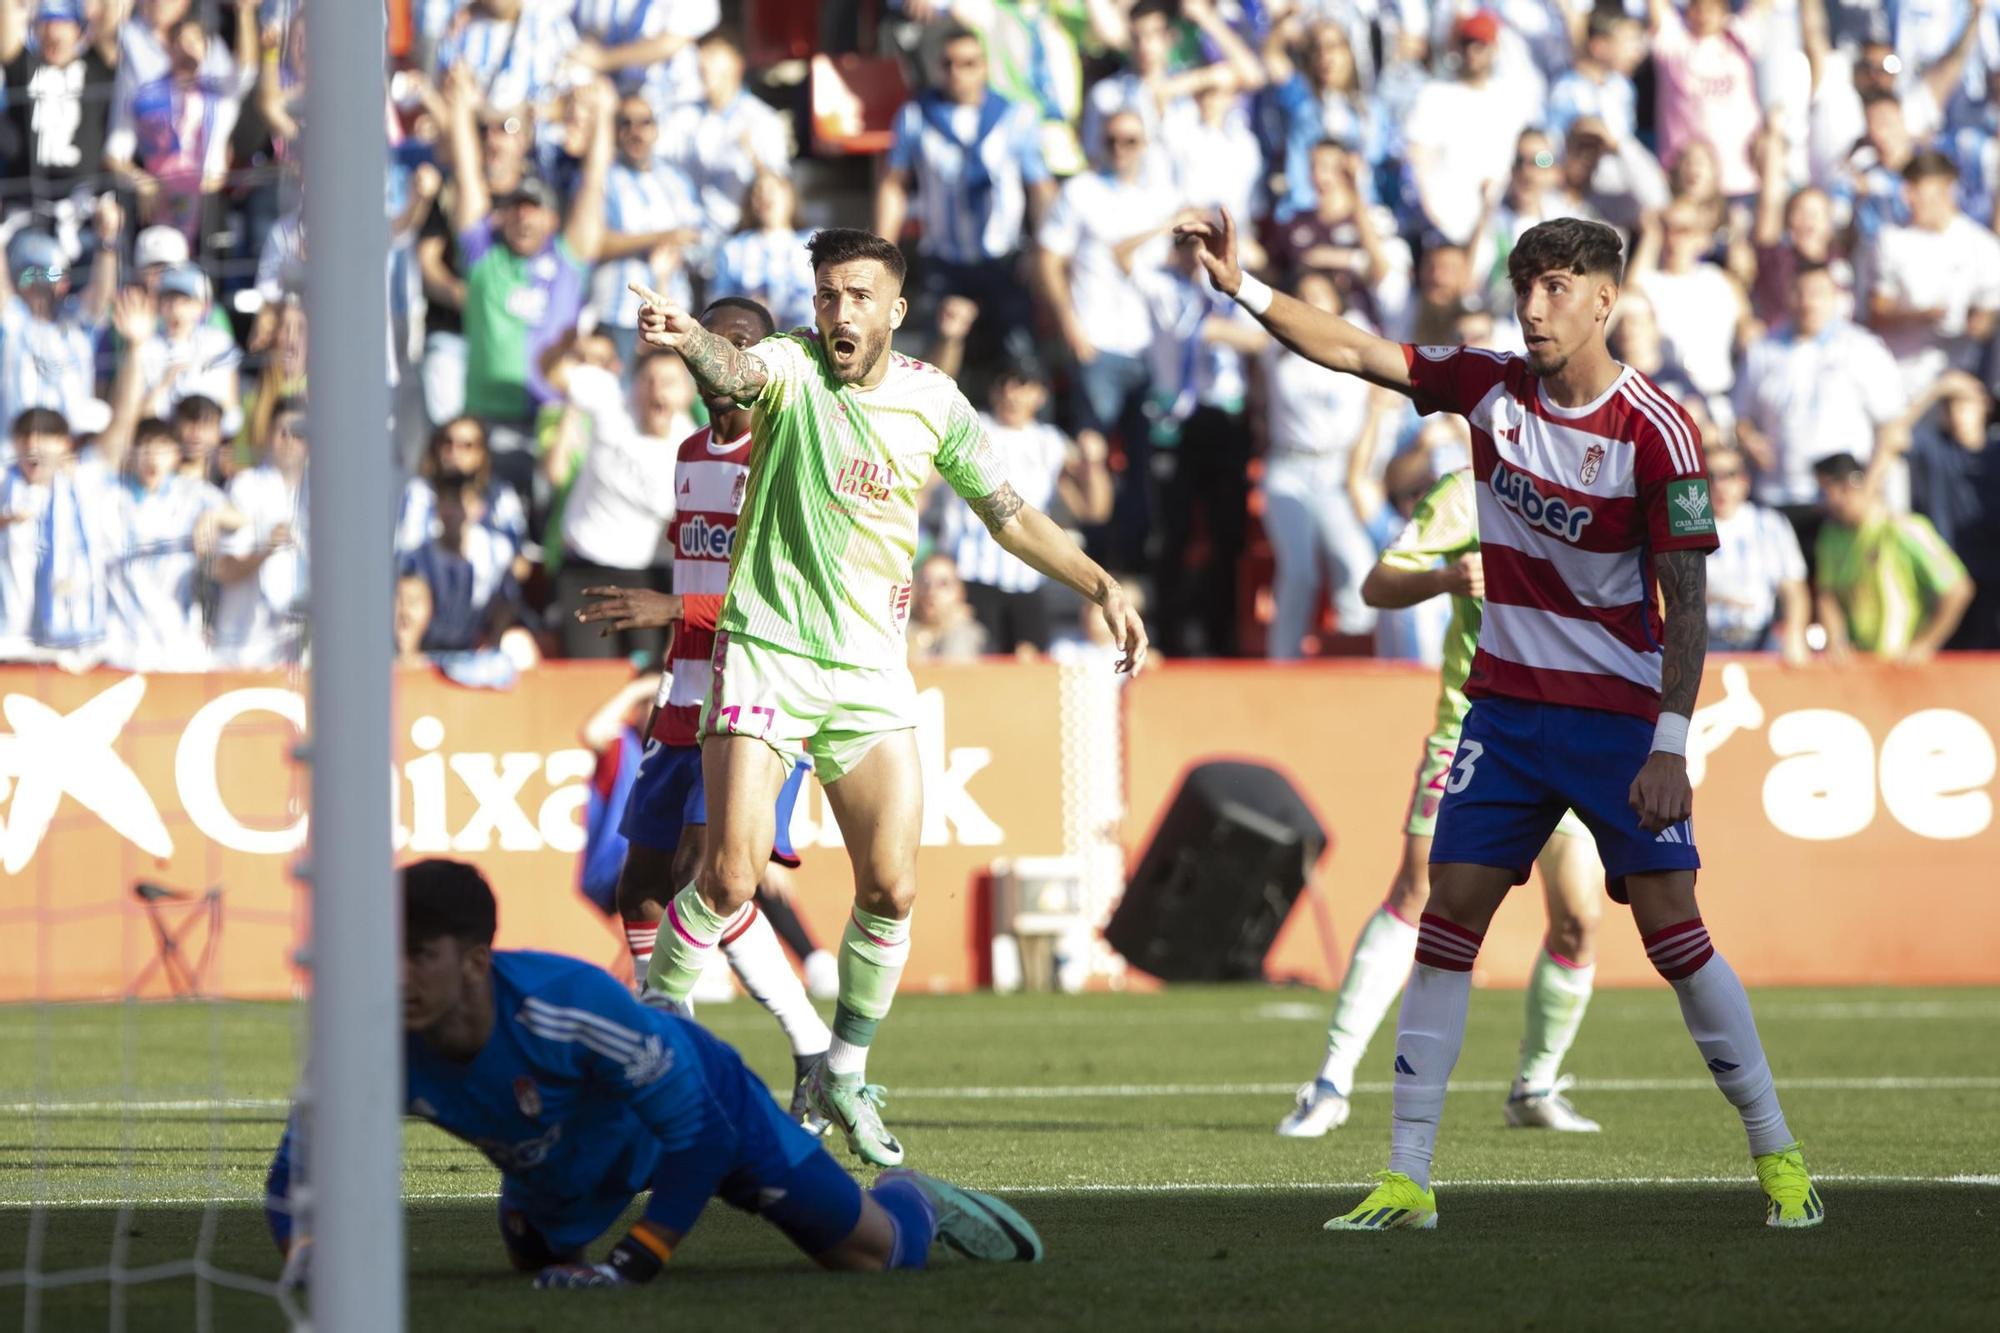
138,1112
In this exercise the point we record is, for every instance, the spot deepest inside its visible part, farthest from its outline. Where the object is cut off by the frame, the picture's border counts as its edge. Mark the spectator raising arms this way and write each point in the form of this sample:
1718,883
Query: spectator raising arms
523,281
58,97
169,141
47,334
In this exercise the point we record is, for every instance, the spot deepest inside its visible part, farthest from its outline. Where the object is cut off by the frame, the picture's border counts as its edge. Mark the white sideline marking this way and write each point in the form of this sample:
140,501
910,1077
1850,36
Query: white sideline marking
1084,1091
1172,1187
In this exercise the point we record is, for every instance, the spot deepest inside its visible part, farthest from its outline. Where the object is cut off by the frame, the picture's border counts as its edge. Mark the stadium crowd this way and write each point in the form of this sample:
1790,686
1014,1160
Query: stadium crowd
1810,187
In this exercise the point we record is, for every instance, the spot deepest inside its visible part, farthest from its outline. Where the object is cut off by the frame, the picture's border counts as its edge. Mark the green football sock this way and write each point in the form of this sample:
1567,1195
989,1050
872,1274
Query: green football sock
1558,993
873,950
685,946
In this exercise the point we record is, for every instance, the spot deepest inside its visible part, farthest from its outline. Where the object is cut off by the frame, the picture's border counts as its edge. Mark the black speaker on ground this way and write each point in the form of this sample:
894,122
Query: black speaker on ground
1220,876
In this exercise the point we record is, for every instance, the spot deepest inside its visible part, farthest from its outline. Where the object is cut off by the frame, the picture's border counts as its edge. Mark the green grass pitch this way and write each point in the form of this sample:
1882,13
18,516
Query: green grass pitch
1136,1132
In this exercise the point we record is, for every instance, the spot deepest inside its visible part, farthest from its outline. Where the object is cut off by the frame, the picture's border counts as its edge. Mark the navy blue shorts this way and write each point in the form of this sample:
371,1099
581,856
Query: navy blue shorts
667,797
782,1174
1520,765
813,1201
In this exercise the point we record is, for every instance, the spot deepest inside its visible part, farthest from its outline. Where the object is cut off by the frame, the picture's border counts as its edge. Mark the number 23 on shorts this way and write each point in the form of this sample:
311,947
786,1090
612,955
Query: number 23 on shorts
753,721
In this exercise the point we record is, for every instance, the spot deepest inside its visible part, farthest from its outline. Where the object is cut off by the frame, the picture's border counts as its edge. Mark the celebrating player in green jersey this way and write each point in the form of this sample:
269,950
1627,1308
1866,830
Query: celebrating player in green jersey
810,650
1444,528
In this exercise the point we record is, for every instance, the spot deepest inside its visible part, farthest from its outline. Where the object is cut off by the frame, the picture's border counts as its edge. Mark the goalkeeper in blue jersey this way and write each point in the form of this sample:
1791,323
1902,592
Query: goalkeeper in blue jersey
584,1098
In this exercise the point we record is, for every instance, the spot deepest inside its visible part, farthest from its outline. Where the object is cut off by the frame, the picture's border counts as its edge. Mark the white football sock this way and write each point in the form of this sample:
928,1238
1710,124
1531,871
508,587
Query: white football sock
1429,1033
1717,1013
760,964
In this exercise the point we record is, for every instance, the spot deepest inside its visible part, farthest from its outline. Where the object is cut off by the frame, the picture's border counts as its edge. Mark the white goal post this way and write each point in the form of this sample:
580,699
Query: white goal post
354,1061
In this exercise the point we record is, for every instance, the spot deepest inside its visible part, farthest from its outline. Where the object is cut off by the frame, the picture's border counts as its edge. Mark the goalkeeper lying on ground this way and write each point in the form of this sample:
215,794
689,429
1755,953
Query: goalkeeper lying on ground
585,1098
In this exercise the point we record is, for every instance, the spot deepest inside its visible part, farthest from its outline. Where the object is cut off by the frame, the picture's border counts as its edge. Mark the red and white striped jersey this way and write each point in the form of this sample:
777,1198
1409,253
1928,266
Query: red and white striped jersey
1573,505
709,481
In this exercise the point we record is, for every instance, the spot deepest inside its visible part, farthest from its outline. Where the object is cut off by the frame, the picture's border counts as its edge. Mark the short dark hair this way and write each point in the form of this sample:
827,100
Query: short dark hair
446,899
197,410
40,421
1877,96
1566,245
1606,19
1929,164
845,245
155,430
722,36
1838,467
1144,7
757,310
954,31
1805,268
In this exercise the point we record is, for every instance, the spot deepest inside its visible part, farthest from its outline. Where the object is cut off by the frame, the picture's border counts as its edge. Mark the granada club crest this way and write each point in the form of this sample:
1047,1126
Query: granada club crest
528,1097
1593,458
736,493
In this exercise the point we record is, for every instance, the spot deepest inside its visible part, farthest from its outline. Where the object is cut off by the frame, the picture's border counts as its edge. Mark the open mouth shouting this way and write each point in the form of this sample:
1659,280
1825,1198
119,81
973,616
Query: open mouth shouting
846,344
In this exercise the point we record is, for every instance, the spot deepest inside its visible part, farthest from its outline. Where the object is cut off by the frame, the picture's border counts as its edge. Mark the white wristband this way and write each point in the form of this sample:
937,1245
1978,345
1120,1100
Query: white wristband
1253,295
1670,734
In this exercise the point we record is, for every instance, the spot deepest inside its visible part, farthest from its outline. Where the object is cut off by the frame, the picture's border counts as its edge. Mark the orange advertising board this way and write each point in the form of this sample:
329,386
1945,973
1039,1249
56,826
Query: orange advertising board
187,781
1836,811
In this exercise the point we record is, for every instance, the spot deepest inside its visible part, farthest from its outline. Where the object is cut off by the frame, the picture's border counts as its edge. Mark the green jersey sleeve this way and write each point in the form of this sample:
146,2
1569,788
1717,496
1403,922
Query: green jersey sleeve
965,457
1935,565
1444,526
788,360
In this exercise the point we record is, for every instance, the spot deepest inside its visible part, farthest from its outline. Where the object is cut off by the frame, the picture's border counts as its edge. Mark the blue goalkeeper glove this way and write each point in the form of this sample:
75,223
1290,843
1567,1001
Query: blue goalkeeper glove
569,1277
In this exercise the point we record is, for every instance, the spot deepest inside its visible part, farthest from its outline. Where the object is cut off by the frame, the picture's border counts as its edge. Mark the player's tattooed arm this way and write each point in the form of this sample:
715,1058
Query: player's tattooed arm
1683,579
721,368
994,510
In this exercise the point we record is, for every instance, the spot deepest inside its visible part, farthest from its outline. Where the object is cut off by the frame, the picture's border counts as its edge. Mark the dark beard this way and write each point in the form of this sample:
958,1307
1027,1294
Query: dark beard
873,349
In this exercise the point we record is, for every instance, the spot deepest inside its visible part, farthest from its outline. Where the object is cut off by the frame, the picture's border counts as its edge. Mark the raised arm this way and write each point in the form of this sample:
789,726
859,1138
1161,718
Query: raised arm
584,230
472,201
102,289
1944,73
1661,793
13,29
1813,36
1315,335
1029,535
719,366
1236,53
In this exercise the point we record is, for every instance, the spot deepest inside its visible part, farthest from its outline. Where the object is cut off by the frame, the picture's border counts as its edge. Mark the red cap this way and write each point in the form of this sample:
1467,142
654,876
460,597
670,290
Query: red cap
1482,25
